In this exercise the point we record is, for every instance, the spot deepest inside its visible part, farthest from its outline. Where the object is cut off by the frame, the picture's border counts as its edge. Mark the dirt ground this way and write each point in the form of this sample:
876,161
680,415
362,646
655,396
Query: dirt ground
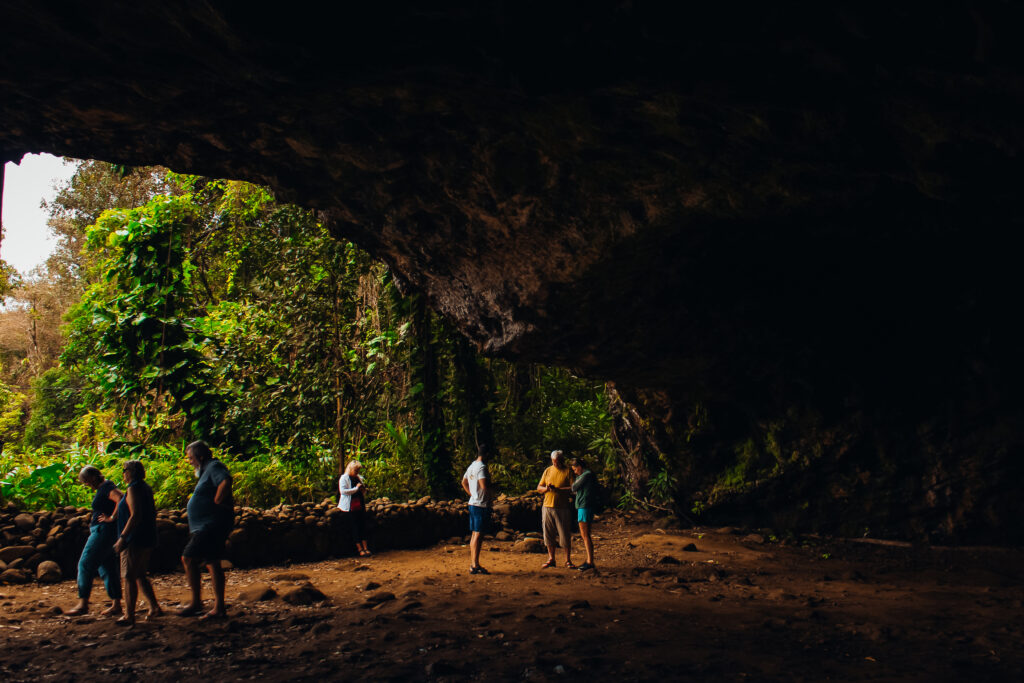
733,609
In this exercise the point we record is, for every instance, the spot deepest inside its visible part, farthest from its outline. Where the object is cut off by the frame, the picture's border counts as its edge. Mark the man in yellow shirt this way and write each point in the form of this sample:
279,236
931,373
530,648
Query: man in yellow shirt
556,515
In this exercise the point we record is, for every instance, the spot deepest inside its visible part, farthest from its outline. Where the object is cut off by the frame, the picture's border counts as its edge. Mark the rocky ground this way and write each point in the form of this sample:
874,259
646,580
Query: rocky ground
734,605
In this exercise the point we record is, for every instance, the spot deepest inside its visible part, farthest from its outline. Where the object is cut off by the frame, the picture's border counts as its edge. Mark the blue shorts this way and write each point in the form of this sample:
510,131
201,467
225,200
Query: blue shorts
584,515
479,518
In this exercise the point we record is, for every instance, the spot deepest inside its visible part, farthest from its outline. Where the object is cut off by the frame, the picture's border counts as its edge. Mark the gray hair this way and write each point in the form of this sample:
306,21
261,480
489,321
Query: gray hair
201,449
90,473
136,469
558,456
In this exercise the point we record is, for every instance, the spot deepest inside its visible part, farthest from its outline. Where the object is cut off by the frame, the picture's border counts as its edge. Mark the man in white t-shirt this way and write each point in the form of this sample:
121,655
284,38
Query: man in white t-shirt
474,482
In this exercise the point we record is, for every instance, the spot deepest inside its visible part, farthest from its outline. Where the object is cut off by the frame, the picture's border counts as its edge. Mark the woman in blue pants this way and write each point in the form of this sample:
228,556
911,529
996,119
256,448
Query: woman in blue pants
98,556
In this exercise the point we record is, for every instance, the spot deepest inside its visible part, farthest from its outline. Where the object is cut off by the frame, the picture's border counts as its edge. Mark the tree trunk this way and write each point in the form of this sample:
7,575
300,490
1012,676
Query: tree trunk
437,459
479,421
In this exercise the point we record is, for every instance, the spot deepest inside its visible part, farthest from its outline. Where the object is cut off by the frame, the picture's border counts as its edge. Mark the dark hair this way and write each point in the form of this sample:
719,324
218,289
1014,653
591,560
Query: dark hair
201,450
136,468
89,473
578,462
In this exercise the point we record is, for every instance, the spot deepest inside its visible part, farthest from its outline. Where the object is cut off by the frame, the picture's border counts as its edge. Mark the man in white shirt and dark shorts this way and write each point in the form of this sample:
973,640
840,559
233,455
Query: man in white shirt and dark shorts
474,482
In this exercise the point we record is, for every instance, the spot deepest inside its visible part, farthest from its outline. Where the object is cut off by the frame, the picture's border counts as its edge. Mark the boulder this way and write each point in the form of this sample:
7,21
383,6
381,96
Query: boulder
25,521
13,552
14,576
48,571
529,545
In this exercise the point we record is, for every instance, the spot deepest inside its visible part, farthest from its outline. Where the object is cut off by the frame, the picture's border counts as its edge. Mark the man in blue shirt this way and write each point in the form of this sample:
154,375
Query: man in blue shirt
211,515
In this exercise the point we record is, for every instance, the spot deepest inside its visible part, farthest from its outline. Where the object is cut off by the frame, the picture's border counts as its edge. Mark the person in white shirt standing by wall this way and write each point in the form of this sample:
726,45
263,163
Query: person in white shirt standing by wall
476,483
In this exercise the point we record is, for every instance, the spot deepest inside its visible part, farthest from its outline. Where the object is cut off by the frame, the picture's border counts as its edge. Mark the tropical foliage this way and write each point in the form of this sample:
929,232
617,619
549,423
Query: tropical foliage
180,307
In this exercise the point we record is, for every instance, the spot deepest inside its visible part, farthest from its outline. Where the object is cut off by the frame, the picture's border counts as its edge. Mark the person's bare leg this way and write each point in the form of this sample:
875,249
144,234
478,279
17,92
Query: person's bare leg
588,542
219,606
147,590
131,600
551,553
194,579
476,542
115,607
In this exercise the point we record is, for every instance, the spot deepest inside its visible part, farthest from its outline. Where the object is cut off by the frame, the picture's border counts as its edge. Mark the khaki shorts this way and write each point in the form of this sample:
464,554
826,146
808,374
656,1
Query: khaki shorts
557,522
134,562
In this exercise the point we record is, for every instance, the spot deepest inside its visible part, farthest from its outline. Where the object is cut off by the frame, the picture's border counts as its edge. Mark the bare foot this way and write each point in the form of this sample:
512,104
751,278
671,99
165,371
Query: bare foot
113,609
78,610
190,610
154,613
125,621
214,614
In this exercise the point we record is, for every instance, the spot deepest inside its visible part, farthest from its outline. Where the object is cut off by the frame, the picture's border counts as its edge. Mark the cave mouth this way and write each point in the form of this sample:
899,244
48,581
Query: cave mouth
800,222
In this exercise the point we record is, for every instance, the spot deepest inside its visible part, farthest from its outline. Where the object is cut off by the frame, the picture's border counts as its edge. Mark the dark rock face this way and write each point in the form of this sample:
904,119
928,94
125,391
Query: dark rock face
764,207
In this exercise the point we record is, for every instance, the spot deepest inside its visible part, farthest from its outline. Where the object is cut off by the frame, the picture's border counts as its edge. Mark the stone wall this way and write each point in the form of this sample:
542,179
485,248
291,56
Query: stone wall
45,545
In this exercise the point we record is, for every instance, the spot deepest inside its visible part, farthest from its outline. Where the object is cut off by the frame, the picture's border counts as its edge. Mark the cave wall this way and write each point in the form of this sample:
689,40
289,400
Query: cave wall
769,209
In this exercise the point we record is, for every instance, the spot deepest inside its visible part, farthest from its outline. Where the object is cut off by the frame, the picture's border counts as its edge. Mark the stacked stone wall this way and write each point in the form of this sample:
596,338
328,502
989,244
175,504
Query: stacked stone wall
45,545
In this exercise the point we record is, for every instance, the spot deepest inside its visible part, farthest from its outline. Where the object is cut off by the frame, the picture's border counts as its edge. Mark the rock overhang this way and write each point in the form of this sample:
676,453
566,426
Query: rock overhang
723,200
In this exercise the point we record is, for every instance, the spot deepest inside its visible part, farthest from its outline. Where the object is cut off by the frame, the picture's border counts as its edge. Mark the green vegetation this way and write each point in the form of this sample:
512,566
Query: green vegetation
178,307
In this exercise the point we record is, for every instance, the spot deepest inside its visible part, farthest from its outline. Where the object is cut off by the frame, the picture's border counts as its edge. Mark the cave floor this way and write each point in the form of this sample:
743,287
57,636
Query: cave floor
734,609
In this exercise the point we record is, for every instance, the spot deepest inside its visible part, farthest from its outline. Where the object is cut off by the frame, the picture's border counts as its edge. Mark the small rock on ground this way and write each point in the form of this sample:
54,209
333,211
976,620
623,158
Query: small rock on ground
303,595
257,593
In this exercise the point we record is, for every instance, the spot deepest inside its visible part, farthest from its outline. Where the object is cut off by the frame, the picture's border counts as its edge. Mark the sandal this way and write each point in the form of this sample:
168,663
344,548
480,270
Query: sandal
570,565
585,566
549,563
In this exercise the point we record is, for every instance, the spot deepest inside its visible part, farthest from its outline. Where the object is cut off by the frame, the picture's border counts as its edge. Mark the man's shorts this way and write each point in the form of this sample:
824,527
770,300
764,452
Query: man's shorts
479,518
206,544
584,515
556,523
134,562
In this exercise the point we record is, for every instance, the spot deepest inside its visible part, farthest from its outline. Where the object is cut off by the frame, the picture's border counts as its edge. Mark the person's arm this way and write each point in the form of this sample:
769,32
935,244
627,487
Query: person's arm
126,535
114,495
543,486
347,491
583,482
223,496
465,486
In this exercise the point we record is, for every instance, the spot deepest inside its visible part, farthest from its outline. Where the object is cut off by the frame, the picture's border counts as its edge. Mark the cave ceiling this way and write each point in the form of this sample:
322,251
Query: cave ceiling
716,198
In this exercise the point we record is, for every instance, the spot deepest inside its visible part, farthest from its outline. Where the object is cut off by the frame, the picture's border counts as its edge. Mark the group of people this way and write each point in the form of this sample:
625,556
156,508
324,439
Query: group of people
566,488
123,534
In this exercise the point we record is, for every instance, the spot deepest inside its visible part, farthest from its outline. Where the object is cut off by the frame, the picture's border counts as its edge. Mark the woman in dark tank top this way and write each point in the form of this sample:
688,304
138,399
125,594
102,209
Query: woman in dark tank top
136,538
